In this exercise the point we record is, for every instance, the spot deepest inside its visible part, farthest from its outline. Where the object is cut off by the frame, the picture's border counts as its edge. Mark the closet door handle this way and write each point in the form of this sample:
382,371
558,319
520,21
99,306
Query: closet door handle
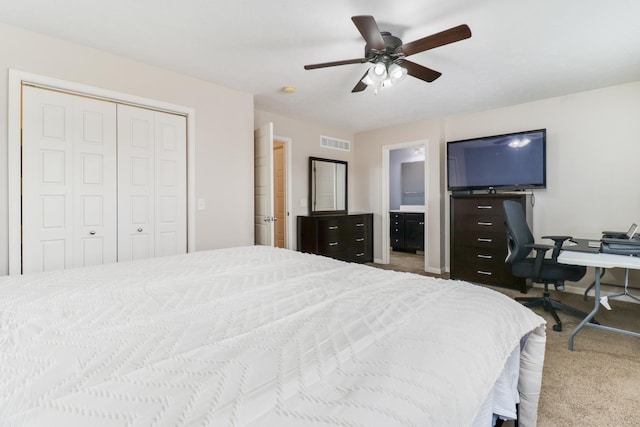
92,232
139,229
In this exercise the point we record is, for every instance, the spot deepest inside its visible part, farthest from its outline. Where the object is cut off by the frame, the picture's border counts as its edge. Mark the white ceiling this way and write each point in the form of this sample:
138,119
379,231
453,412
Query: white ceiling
520,51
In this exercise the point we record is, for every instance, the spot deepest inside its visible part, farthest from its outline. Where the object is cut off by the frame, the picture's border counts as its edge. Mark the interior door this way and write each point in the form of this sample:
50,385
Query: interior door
280,193
263,185
68,181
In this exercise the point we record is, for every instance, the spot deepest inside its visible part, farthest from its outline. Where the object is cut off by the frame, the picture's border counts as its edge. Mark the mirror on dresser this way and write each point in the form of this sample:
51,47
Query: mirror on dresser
327,186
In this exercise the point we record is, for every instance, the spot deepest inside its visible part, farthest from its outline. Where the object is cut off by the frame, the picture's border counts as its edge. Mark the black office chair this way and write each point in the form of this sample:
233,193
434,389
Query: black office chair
539,269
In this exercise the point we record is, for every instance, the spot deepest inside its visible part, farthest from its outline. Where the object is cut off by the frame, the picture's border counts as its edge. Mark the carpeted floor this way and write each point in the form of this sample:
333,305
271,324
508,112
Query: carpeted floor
597,384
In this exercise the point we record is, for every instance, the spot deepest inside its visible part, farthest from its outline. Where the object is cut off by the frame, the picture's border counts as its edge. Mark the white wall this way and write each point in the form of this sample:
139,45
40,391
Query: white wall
368,177
223,133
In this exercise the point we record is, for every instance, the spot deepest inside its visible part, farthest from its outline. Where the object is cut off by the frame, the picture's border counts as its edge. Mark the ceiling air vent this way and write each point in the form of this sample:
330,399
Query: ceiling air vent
335,143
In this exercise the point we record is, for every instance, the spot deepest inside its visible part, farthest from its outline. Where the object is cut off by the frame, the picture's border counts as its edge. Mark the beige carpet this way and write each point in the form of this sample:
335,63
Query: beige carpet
597,384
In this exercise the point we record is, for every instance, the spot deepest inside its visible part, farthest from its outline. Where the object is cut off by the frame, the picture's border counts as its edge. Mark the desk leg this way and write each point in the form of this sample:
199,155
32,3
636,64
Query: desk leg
593,313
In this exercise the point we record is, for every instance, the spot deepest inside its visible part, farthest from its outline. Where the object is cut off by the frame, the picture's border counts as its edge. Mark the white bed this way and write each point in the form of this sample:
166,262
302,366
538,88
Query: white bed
258,336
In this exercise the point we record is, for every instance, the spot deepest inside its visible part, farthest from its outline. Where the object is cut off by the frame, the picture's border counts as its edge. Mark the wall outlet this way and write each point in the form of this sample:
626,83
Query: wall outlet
303,203
201,205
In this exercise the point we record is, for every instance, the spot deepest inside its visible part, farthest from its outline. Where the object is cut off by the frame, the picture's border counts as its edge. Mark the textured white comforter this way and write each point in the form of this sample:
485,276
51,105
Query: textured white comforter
252,336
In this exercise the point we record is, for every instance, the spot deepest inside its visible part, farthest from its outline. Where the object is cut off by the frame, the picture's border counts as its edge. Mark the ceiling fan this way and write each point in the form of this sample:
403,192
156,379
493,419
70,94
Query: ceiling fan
388,54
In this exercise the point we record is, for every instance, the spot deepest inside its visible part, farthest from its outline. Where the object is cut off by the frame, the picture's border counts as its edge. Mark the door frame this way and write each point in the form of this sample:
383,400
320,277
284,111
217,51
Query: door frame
386,149
14,102
289,204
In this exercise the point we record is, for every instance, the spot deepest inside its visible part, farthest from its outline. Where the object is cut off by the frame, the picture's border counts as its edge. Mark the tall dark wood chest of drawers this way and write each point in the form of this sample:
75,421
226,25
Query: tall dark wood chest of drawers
479,239
344,237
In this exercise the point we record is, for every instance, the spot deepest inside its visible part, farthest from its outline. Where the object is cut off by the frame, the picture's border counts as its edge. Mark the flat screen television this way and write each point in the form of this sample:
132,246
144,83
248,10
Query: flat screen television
513,161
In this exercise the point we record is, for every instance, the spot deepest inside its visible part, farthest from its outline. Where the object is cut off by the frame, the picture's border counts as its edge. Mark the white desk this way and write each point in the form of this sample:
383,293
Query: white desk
600,261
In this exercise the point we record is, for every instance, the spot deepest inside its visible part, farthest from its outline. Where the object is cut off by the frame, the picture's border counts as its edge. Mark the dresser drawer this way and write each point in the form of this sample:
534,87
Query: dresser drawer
357,226
482,239
485,255
487,223
479,206
485,273
358,252
395,216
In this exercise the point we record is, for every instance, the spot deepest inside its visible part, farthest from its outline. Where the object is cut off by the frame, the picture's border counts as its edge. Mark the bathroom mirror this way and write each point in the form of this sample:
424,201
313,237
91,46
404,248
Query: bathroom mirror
327,186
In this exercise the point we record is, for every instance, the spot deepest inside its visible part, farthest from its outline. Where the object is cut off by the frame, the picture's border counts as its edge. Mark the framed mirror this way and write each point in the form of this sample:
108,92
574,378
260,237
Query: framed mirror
327,186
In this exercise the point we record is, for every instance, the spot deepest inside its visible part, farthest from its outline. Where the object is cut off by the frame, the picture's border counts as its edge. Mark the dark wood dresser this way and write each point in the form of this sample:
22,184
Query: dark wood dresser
345,237
479,239
407,231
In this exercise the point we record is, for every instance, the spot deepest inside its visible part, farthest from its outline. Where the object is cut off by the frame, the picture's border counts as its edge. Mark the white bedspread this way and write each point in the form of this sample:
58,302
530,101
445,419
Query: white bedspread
253,336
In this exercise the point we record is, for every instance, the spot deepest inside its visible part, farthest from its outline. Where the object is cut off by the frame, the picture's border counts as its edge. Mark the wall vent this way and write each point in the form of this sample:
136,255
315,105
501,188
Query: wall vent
335,143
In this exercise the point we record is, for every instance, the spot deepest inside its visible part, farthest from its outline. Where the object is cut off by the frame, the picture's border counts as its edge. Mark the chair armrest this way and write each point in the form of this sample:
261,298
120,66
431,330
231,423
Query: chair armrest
558,240
541,250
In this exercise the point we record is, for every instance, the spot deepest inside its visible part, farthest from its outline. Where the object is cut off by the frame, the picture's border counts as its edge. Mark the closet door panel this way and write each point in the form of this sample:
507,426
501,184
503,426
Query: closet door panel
171,184
95,196
136,183
47,181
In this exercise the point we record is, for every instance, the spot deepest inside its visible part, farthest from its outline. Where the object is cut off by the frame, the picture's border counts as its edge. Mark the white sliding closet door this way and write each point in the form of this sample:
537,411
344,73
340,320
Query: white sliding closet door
68,181
152,184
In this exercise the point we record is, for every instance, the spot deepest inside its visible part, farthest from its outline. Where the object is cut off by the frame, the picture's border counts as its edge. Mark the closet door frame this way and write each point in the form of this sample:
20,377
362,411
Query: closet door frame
16,80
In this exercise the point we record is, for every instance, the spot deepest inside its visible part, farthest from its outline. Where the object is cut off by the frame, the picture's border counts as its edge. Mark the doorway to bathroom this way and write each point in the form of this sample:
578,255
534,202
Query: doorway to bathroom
406,201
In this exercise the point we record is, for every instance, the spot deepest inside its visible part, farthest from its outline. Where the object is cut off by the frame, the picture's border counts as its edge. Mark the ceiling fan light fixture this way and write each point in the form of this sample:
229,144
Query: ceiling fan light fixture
396,73
378,72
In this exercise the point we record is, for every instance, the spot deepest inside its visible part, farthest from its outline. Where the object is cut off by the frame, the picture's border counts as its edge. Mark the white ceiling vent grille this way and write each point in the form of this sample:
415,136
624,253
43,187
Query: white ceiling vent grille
335,143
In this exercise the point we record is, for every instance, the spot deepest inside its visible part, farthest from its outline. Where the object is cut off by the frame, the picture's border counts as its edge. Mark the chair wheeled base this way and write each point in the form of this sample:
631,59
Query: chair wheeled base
551,305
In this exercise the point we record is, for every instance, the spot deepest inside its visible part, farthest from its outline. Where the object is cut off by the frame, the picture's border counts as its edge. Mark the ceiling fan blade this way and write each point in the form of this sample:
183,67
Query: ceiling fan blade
361,85
442,38
367,26
334,63
420,72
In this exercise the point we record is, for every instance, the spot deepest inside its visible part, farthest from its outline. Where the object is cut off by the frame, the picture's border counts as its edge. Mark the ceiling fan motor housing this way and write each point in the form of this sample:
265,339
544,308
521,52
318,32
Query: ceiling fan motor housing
392,43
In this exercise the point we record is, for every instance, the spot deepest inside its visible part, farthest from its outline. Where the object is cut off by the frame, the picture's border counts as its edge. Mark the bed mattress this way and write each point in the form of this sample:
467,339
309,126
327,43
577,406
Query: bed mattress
256,336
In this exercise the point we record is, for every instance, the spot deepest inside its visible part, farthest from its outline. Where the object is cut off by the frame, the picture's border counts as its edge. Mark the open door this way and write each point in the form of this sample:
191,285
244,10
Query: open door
263,186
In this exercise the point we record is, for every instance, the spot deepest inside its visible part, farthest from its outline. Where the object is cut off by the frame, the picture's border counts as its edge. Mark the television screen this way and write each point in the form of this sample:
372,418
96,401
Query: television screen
511,161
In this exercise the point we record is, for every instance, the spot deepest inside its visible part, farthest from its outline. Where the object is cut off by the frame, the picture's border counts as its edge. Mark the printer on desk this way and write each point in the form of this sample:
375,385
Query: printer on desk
621,243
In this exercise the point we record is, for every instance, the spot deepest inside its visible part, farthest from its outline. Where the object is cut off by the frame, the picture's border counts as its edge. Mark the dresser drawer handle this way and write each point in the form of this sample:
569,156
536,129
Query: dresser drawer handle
361,239
333,243
485,256
485,223
360,254
360,224
485,207
484,240
486,273
333,227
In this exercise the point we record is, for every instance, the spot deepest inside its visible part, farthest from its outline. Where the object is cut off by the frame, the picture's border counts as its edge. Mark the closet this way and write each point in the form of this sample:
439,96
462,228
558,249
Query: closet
101,181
